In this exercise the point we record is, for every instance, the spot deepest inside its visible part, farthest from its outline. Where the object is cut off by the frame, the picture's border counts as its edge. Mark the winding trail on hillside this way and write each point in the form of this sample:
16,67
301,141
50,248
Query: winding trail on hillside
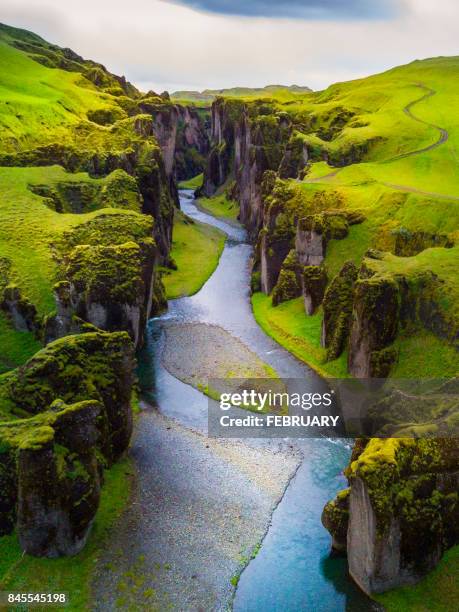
442,139
443,134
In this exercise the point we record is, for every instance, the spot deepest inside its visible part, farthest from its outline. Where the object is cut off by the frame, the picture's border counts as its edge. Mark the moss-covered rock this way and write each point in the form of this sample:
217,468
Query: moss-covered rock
96,366
403,509
19,309
313,282
51,462
337,307
295,158
335,518
52,477
107,283
288,285
374,325
408,243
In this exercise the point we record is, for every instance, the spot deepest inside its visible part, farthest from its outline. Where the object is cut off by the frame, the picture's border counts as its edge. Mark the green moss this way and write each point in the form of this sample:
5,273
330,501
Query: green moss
72,575
288,285
395,471
337,308
109,273
192,183
335,518
220,206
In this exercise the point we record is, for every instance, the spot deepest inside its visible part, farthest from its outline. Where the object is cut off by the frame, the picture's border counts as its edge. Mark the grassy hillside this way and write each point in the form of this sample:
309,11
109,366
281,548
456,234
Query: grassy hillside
209,95
387,147
60,117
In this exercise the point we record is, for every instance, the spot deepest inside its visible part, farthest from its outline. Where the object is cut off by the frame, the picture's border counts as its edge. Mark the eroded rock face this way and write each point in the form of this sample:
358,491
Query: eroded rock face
386,301
337,307
288,284
335,518
192,142
247,141
111,286
295,158
93,365
51,463
59,483
112,282
277,237
21,312
314,232
400,513
403,510
313,284
374,325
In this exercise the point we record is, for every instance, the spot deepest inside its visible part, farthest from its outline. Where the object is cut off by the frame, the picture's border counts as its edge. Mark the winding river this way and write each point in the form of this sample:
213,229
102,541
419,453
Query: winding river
293,570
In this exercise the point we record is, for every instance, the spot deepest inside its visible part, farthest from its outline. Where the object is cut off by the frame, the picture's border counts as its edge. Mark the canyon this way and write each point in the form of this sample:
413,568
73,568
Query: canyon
97,194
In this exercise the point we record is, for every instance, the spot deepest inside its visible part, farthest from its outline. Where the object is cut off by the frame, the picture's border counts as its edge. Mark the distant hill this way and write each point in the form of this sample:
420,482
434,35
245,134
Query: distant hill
209,95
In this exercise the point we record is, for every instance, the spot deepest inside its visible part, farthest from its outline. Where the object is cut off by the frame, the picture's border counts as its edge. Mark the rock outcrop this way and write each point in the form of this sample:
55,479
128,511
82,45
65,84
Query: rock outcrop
335,518
247,140
77,393
110,278
192,142
402,510
108,213
313,285
21,312
337,307
387,298
313,233
288,284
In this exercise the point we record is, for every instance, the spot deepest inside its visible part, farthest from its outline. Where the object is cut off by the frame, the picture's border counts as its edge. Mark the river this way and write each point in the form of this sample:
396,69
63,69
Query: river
293,569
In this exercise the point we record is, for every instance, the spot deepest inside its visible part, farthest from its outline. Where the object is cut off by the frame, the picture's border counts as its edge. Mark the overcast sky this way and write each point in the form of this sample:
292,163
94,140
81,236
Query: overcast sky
195,44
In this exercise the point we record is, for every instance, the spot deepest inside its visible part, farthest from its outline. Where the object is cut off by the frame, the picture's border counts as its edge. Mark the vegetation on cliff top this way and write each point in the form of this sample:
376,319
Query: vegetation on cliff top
383,148
57,108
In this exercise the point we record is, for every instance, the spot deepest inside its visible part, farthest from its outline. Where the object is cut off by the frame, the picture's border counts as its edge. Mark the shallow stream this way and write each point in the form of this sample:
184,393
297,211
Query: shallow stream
293,570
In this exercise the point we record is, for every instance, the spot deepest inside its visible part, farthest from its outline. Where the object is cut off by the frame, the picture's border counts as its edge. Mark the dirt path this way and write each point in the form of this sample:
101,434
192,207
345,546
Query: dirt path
443,137
432,194
443,134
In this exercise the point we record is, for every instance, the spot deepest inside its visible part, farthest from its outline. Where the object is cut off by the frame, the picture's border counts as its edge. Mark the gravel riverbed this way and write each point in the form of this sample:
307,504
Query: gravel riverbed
200,506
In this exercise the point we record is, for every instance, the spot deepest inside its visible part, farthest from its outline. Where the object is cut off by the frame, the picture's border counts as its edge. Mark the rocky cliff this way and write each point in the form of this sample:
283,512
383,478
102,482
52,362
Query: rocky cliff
247,140
70,418
90,194
375,266
401,511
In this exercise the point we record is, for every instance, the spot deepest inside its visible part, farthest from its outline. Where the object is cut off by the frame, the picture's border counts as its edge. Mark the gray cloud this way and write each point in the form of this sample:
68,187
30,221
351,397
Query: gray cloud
159,45
299,9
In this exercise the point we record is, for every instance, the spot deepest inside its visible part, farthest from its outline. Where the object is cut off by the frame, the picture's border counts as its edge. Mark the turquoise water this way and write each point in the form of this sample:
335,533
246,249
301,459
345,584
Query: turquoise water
294,570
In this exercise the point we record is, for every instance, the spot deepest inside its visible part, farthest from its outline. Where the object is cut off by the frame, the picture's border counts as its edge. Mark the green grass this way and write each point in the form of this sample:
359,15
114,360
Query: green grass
288,325
17,346
71,575
424,355
28,231
437,592
192,183
196,249
220,206
39,104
